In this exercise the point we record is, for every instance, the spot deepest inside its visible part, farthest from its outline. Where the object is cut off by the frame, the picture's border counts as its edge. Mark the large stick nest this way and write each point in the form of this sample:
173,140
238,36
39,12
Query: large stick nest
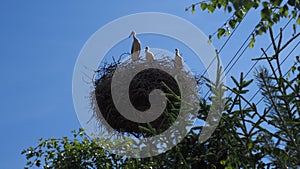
140,87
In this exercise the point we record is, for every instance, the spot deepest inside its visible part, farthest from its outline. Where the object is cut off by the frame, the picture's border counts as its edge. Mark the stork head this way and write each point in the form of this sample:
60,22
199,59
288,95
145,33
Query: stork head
176,50
132,34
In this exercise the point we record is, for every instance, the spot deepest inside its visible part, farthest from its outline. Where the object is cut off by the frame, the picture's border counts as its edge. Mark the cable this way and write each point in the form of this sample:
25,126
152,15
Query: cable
225,43
242,54
267,49
276,70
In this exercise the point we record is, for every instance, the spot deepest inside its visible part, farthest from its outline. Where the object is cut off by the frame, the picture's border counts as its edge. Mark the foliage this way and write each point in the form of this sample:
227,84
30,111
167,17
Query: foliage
271,13
79,152
247,136
242,139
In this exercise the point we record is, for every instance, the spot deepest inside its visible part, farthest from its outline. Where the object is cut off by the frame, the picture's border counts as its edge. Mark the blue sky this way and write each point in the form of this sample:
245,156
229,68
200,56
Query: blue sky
40,42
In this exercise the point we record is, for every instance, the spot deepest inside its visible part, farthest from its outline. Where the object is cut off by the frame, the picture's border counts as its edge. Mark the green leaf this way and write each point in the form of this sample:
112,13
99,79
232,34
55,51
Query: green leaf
227,32
265,4
38,163
256,3
229,9
209,39
291,2
228,167
203,6
28,163
294,14
250,146
248,5
232,23
294,29
276,3
298,20
293,68
223,162
193,8
276,17
252,41
239,14
221,32
145,129
211,8
284,11
265,14
258,32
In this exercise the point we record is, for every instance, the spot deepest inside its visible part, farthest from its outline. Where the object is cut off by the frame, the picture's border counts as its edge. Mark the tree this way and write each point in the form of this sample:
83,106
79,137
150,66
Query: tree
243,138
272,12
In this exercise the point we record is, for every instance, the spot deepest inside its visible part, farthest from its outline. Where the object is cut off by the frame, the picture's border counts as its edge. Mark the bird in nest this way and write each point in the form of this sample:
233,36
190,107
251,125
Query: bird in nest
136,47
149,55
178,60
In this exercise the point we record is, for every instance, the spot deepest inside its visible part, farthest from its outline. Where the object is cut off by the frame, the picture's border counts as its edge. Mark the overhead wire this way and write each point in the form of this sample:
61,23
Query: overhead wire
226,73
224,44
288,55
256,62
232,57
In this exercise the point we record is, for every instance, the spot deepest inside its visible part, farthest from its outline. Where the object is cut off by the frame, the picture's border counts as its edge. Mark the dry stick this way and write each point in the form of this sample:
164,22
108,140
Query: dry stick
276,70
278,113
270,95
261,57
276,56
273,40
284,75
282,86
242,115
270,64
288,42
270,108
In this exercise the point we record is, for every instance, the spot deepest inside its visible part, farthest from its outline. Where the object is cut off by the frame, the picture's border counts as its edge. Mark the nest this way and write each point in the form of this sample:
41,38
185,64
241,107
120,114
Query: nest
140,87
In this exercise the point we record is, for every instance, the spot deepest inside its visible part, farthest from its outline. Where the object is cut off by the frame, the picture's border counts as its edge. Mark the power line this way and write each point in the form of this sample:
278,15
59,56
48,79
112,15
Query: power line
225,43
267,49
232,57
253,66
247,48
276,70
262,56
242,54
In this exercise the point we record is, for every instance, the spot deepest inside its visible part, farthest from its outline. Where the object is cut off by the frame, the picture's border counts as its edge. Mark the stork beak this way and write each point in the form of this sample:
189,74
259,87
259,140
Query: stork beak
130,34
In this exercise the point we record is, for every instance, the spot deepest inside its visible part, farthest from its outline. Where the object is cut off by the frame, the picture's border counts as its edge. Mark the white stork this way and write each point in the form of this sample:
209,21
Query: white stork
178,60
136,47
149,55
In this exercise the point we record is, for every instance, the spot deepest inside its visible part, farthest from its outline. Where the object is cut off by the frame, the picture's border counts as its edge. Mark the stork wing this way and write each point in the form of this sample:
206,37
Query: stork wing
132,48
138,45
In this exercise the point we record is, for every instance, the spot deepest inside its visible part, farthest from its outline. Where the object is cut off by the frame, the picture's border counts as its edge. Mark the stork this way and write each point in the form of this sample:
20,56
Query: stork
178,60
149,55
136,47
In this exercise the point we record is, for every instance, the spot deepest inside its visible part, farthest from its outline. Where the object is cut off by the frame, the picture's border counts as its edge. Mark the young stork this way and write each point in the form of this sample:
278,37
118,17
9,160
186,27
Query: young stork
178,60
149,55
136,47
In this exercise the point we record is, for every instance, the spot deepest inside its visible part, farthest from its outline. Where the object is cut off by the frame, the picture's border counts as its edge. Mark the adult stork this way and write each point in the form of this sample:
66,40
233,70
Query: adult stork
136,47
178,60
149,55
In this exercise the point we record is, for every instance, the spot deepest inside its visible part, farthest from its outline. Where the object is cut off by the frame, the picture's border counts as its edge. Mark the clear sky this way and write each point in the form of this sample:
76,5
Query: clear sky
40,42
